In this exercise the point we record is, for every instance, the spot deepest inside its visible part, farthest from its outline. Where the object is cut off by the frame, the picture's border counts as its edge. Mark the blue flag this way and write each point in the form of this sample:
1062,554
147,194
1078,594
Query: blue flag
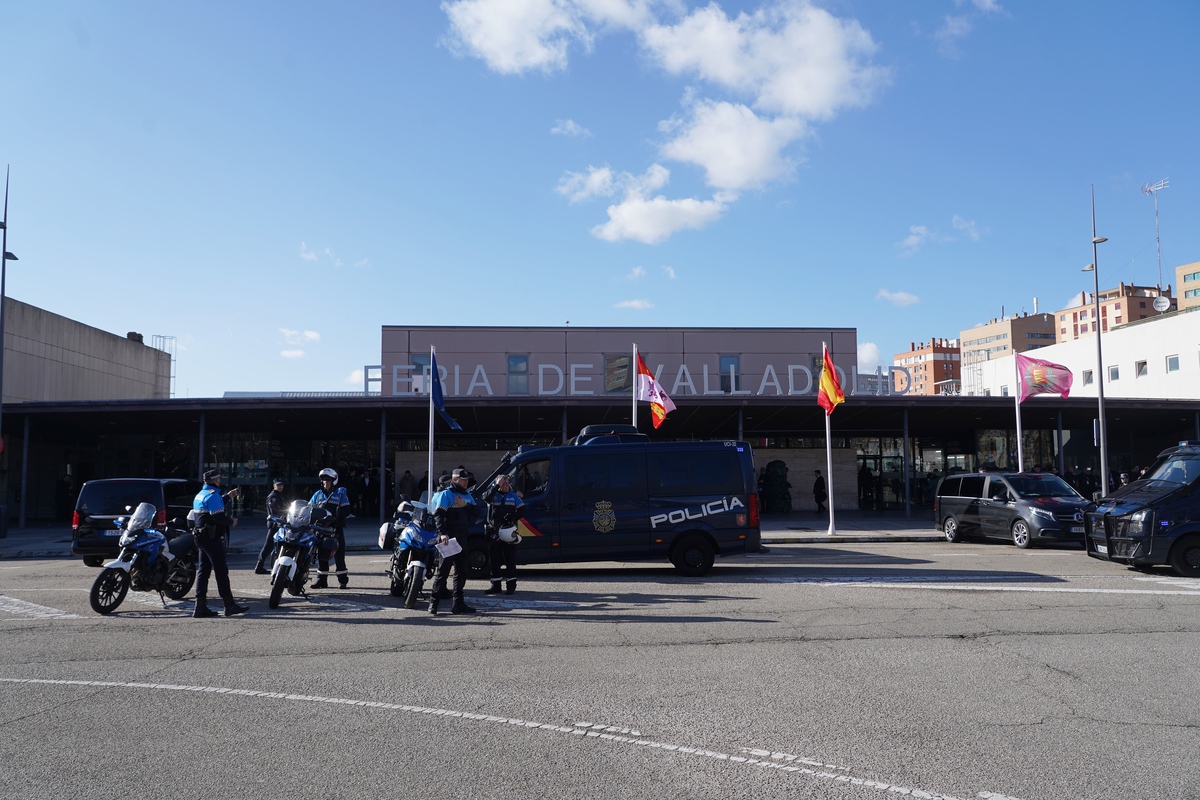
439,402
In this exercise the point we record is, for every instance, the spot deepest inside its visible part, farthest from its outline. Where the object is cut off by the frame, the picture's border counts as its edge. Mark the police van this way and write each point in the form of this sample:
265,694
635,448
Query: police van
610,494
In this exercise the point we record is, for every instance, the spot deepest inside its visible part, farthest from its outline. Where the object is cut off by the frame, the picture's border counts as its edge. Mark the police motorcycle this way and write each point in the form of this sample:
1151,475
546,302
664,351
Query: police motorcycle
146,563
412,538
300,533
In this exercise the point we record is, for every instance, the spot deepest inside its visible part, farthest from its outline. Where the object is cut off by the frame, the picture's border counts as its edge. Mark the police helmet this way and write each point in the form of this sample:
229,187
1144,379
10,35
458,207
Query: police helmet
510,535
330,474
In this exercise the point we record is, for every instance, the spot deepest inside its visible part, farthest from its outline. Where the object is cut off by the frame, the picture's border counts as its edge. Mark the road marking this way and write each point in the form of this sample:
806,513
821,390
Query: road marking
980,584
756,757
318,602
23,609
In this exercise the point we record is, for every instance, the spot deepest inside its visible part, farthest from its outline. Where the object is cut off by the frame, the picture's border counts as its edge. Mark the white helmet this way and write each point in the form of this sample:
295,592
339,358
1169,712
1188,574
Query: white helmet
510,535
328,473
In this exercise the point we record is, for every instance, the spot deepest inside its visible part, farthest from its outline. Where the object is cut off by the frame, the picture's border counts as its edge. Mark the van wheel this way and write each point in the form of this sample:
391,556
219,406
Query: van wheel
1021,536
1185,558
693,555
950,529
477,555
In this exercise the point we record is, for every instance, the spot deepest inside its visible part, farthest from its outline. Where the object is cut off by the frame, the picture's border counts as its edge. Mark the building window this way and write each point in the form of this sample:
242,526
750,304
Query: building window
1140,370
518,374
1173,363
618,373
1087,377
1114,373
420,365
1141,304
1004,391
1083,314
1191,276
1116,306
731,373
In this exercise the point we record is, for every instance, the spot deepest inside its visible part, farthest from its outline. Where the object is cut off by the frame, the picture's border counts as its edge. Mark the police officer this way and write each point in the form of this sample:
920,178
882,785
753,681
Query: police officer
275,508
210,524
337,503
504,508
453,508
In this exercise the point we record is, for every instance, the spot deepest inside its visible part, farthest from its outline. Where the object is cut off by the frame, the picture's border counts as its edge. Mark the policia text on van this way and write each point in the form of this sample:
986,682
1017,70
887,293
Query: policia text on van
610,494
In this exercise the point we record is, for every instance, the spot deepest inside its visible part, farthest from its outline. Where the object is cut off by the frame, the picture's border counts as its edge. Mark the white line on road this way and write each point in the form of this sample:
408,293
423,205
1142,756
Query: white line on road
23,609
765,759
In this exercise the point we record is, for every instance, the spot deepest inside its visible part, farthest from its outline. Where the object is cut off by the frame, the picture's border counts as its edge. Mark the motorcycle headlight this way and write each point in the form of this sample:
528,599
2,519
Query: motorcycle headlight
1042,513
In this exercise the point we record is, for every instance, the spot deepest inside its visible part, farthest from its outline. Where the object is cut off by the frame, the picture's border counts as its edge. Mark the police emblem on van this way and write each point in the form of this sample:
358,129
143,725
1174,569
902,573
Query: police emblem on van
604,520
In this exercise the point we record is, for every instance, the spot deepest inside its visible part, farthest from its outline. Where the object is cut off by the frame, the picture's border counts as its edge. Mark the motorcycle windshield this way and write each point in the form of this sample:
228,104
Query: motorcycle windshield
142,517
300,514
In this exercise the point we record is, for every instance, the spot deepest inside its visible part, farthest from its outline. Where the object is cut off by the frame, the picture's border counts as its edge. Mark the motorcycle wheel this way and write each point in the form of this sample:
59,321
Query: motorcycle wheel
414,587
179,582
277,587
397,578
109,590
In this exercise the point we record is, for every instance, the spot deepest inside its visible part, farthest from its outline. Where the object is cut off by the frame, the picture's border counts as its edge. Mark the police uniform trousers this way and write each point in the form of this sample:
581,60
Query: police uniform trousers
503,561
458,562
339,557
269,544
210,550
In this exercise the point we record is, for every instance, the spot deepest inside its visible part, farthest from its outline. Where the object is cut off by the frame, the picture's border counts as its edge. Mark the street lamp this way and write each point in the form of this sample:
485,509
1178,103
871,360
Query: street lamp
6,257
1099,353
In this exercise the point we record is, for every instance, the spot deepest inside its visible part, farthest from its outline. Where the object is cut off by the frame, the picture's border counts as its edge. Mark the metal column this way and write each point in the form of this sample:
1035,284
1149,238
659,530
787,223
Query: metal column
907,470
383,465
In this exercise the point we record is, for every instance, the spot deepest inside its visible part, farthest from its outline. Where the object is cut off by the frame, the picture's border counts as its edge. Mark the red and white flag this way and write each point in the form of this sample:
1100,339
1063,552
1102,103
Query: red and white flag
648,389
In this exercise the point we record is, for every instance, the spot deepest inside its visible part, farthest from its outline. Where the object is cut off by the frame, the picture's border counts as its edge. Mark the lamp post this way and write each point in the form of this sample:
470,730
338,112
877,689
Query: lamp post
4,259
1099,352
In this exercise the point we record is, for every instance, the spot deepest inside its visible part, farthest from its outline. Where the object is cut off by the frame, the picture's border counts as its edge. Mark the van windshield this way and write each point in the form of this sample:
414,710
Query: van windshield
1182,469
1041,486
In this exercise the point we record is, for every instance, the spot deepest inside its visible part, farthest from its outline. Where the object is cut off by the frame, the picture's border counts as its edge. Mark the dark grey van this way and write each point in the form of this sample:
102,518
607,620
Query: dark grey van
94,529
616,496
1025,508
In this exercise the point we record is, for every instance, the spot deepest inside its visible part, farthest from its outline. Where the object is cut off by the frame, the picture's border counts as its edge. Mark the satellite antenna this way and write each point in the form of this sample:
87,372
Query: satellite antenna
1154,190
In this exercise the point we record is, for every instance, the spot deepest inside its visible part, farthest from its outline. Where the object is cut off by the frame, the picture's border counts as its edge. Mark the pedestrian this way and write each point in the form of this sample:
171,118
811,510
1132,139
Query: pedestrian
408,485
453,508
504,508
819,493
209,524
335,501
275,510
1124,478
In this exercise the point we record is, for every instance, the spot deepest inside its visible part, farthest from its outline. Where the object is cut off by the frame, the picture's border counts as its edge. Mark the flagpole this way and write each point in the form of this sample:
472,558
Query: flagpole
1017,409
429,388
829,474
633,369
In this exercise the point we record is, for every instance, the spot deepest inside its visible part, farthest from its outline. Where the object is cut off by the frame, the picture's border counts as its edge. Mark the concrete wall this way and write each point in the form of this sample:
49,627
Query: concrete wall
50,357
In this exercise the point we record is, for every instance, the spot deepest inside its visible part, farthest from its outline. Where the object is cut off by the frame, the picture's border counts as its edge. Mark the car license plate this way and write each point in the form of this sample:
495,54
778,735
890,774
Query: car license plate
1102,549
1076,529
116,532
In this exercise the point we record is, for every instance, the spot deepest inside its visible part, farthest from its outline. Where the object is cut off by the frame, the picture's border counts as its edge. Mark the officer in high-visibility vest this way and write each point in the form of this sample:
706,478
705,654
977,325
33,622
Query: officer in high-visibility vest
209,524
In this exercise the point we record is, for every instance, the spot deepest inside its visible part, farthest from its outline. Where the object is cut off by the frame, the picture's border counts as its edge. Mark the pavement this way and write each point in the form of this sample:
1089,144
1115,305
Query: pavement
797,527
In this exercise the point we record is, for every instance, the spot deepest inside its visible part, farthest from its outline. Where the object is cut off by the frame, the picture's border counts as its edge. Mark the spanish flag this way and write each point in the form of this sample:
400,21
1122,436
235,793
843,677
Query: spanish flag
830,393
648,389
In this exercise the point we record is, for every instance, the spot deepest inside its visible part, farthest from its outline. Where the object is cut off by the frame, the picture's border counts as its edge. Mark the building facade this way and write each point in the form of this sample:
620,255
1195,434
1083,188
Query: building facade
998,338
1187,278
1120,306
931,367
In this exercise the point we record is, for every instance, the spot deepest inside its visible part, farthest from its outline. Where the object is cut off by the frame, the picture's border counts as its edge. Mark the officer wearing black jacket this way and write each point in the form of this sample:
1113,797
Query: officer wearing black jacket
504,508
275,508
453,508
210,524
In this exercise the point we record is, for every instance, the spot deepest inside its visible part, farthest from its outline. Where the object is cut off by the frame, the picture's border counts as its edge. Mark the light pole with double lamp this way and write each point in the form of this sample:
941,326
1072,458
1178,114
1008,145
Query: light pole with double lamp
1103,432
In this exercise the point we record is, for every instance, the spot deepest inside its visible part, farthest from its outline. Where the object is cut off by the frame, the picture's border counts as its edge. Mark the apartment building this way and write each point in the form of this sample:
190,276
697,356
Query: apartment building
933,368
1001,337
1124,304
1187,278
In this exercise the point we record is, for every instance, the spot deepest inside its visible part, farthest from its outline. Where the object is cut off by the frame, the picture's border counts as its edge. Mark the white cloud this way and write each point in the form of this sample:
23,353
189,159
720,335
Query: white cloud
869,359
897,298
670,271
292,353
952,31
636,305
516,36
654,220
917,236
986,6
355,378
736,148
580,186
307,253
966,226
637,273
569,127
299,337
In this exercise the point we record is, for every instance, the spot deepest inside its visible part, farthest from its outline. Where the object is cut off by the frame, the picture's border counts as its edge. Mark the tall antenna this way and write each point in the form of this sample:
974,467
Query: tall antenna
1154,190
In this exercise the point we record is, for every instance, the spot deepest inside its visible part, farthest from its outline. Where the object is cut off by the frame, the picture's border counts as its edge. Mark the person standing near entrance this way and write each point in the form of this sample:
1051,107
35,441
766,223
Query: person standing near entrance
819,493
209,524
453,508
275,508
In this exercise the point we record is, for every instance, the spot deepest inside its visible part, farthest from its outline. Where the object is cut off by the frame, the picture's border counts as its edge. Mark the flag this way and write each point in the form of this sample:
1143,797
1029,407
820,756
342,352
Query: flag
1042,377
648,389
439,402
830,393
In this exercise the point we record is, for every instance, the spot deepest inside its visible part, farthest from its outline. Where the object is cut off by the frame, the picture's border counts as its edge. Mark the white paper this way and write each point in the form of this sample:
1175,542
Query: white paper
450,548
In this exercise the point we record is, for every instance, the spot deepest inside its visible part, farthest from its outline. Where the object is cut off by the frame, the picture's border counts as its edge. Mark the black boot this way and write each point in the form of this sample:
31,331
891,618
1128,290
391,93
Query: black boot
509,588
433,604
259,569
202,609
233,609
493,589
320,583
343,581
460,607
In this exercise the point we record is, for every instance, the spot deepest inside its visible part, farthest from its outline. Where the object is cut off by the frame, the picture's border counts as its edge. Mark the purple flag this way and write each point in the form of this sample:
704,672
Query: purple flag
1042,377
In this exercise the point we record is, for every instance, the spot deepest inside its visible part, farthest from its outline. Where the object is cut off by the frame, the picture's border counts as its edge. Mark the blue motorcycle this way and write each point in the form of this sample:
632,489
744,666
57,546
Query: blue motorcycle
411,539
147,563
300,533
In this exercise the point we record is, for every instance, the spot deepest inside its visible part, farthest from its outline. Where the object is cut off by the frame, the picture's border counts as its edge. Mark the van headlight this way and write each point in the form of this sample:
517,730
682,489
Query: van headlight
1042,513
1140,522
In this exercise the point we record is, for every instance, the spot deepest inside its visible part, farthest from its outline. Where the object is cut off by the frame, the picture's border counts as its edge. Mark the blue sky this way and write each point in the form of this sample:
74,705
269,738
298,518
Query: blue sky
271,182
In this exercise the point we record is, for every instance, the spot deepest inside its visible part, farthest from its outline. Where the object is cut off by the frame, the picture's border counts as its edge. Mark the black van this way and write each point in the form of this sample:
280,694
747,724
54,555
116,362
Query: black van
1023,507
612,495
1154,520
94,530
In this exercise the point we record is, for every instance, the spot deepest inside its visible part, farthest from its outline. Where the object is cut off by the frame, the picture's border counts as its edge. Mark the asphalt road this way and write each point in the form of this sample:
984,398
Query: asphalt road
826,671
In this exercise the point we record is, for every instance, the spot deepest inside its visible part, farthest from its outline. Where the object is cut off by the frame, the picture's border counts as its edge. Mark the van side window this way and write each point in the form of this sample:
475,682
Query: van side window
674,475
606,476
531,478
950,487
972,486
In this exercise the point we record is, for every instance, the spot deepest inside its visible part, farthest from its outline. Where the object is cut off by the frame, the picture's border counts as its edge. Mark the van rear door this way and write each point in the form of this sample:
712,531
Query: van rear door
603,509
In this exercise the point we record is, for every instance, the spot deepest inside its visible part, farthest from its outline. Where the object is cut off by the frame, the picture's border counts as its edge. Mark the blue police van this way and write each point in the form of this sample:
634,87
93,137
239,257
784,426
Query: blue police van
610,494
